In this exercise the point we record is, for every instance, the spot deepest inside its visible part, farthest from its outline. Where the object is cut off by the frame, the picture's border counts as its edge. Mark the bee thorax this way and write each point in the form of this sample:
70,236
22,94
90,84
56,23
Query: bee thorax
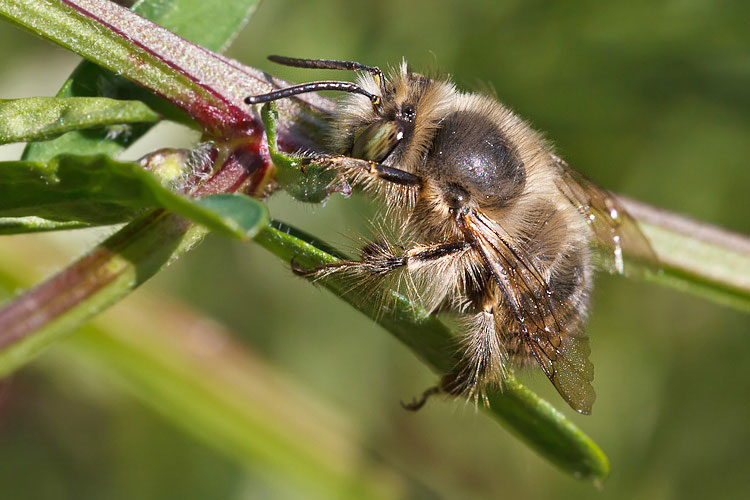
473,161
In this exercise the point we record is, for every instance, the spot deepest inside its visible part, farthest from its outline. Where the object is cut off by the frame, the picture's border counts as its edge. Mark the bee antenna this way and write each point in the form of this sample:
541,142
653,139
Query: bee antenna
330,64
324,85
312,87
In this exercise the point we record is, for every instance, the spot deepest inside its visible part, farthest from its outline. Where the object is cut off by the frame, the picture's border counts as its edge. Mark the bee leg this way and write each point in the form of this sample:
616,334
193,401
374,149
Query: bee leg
365,266
378,259
417,404
483,363
358,166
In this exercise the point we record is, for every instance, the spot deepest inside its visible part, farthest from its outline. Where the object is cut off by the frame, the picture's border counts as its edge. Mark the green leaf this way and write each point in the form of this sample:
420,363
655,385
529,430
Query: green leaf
111,271
243,215
99,190
212,25
108,141
186,75
209,24
524,413
313,184
20,225
39,118
547,430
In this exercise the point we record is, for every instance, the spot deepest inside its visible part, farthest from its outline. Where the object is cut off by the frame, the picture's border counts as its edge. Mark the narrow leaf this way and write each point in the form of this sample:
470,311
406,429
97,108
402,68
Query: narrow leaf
135,48
43,314
527,415
312,184
20,225
39,118
243,215
208,24
99,190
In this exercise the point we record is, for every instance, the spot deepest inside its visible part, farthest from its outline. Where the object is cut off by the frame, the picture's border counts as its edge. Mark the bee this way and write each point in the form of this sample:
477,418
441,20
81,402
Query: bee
493,226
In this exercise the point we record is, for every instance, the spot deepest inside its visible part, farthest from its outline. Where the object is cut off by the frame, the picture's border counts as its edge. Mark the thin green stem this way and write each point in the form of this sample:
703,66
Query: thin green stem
528,416
696,257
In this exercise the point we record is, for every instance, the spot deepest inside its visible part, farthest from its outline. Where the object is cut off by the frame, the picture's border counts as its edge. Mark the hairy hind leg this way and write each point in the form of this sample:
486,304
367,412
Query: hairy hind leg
483,362
379,259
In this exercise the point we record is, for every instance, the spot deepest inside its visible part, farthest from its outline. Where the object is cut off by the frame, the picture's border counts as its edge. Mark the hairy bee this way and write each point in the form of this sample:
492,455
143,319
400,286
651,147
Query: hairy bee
494,226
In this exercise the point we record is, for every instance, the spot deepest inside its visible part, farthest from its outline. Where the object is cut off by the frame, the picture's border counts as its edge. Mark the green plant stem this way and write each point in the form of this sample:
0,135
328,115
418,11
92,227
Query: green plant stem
529,417
696,257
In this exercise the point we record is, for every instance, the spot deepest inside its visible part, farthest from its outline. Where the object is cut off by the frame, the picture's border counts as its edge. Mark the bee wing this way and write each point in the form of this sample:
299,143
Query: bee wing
560,347
569,370
615,230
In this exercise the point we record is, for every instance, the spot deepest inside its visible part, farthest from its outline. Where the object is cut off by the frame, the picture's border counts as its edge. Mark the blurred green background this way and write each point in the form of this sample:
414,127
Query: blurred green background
649,99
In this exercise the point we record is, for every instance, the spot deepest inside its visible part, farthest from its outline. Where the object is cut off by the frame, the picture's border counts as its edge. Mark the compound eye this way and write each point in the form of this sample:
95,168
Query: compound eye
376,141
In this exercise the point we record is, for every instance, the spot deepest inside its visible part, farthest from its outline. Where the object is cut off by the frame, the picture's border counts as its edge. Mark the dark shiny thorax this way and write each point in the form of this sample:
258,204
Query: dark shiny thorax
471,159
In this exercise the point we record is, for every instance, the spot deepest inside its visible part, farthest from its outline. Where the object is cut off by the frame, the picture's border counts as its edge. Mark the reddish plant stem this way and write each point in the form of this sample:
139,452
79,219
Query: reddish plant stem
220,109
245,168
218,112
52,298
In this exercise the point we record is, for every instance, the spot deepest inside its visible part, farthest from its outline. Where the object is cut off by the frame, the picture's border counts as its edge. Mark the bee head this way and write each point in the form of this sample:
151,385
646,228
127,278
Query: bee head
398,129
388,120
